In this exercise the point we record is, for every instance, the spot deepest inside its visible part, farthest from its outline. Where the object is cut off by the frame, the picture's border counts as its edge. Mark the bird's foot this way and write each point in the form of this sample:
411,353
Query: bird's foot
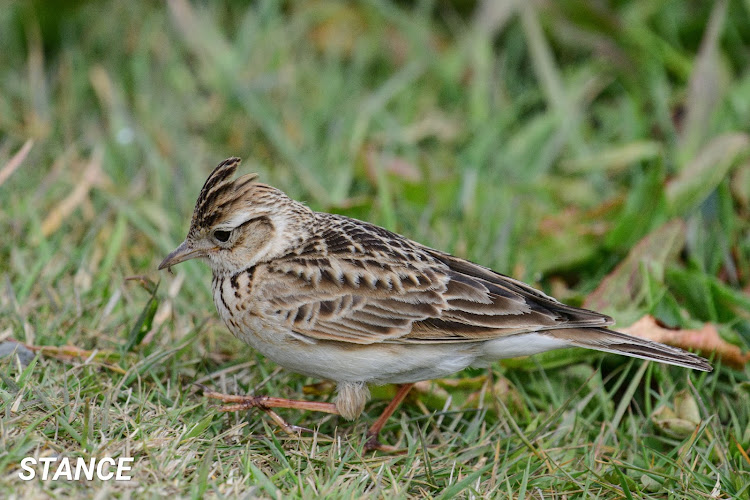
265,403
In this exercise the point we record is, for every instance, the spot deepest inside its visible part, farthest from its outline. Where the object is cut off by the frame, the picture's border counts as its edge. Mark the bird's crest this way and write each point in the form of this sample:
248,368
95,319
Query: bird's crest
220,192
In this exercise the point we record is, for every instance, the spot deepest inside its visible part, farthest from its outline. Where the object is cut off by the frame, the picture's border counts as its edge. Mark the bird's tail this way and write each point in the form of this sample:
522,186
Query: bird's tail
603,339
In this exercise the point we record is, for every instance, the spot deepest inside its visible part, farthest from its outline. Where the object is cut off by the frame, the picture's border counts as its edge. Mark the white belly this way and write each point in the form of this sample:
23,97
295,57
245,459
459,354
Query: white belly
345,362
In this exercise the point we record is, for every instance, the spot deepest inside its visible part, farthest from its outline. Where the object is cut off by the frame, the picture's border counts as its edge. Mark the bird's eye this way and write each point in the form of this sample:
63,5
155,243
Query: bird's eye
222,236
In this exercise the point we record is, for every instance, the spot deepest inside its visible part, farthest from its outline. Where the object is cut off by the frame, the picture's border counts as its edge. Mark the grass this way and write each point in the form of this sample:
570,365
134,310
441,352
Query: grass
550,141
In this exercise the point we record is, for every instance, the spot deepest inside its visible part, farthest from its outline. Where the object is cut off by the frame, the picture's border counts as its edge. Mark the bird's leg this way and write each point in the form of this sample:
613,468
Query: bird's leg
265,403
372,442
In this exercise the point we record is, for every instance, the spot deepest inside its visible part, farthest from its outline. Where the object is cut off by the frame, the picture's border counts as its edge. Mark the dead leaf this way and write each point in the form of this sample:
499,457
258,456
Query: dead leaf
622,287
681,421
706,340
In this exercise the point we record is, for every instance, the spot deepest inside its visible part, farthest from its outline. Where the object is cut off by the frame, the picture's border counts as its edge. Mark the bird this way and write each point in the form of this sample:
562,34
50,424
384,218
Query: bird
336,298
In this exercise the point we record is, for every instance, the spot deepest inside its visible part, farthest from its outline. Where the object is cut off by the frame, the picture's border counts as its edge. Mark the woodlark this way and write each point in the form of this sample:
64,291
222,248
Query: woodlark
337,298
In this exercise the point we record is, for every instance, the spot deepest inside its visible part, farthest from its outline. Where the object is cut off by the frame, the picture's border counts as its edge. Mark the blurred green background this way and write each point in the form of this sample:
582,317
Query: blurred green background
597,150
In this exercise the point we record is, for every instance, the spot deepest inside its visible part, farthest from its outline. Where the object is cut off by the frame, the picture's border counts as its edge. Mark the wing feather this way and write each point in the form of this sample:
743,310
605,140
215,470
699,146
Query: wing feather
363,285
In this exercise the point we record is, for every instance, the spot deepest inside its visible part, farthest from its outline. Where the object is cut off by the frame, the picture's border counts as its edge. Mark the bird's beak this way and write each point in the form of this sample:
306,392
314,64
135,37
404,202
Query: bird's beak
180,254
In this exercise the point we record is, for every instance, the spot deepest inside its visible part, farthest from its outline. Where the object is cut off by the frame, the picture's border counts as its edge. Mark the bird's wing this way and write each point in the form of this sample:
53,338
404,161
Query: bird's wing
363,284
514,306
348,300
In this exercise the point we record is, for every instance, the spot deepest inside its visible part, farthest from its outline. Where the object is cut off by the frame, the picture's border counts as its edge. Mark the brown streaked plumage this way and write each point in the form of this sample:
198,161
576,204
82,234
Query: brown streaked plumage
337,298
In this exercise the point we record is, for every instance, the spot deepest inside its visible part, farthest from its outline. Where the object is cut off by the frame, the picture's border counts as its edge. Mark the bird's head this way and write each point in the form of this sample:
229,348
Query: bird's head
239,222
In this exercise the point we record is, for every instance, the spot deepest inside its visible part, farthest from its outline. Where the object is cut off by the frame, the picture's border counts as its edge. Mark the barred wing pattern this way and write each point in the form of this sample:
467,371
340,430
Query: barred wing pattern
359,283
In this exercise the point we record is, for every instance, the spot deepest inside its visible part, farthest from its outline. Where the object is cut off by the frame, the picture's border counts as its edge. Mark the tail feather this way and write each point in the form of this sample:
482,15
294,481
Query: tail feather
603,339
